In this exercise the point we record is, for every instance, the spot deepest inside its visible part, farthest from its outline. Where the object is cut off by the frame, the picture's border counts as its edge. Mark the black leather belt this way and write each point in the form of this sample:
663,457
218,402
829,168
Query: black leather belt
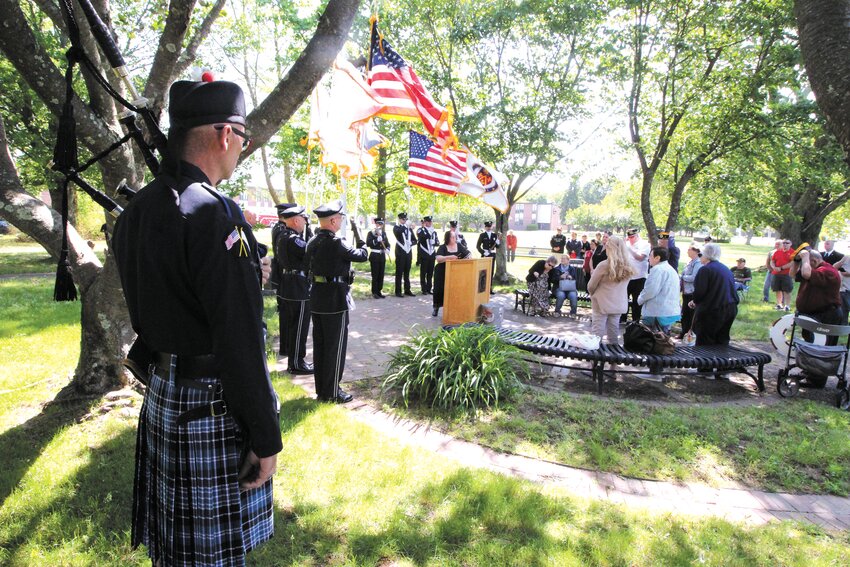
330,279
185,369
215,408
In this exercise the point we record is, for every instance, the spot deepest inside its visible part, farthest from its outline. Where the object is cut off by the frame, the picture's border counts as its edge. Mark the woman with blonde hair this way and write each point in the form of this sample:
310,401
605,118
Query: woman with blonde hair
608,290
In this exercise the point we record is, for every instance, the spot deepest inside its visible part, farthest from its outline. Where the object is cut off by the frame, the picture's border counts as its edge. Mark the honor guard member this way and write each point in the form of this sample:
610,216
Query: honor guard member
209,430
460,239
404,239
488,243
427,243
379,248
329,259
558,243
295,288
276,230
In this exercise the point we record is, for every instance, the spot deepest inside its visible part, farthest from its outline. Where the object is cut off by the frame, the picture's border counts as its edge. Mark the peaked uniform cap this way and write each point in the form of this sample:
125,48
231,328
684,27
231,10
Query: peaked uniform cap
196,103
631,232
295,211
426,219
488,224
452,223
329,209
281,207
378,220
402,216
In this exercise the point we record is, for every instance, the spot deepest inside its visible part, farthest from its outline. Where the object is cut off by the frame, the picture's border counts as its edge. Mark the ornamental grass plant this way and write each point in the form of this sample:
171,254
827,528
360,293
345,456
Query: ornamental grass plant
466,367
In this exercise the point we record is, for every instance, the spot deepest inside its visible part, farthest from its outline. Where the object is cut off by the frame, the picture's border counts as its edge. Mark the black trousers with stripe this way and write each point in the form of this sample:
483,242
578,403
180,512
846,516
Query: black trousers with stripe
284,328
402,271
330,341
297,314
378,264
426,271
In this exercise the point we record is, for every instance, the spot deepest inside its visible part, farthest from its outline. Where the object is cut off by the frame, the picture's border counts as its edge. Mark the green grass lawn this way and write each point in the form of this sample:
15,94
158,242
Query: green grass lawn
794,446
345,494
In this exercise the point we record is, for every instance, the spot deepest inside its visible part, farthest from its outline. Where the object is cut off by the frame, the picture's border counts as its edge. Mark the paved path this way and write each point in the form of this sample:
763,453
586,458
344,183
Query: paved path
378,327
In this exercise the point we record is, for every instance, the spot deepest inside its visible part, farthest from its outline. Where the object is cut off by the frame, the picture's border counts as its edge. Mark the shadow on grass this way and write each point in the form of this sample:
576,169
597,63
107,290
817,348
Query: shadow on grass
473,518
91,516
21,446
470,518
99,509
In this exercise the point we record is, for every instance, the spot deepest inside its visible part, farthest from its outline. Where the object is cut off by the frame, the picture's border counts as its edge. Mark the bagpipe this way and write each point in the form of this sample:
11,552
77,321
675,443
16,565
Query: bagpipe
65,155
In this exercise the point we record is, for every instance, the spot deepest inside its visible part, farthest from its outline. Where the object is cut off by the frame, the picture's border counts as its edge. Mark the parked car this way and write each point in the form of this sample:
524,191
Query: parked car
4,227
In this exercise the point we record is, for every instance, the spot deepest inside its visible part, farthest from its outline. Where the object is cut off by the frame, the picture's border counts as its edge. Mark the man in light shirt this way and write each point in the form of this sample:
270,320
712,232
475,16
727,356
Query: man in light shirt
638,255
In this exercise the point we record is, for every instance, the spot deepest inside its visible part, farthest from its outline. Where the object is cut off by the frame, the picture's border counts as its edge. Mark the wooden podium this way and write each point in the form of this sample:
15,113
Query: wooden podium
467,287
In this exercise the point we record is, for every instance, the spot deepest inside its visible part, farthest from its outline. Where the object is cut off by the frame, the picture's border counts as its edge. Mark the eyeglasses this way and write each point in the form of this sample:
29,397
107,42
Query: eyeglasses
246,139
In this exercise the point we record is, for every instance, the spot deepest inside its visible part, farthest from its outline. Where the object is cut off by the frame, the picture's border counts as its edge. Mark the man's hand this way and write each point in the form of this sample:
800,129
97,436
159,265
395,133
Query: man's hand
266,268
256,471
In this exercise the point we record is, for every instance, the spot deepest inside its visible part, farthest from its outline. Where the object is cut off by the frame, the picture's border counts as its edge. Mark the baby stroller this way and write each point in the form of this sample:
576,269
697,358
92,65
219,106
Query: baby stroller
816,362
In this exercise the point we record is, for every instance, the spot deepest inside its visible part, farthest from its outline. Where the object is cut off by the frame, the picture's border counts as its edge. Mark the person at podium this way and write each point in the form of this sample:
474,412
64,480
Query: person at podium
449,251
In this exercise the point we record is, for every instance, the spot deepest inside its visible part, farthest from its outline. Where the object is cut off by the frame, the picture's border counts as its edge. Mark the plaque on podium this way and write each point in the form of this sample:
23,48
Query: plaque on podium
467,287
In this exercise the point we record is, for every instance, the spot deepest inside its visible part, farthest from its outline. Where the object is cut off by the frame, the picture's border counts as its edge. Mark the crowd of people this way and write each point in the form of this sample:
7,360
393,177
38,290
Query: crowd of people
629,276
626,275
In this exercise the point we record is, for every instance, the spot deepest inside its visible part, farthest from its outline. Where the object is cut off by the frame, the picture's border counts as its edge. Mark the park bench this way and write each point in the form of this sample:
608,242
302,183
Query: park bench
521,299
707,360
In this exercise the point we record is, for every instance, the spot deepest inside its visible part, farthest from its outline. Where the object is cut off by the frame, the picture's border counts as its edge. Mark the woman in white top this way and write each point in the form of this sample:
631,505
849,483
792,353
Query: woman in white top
660,295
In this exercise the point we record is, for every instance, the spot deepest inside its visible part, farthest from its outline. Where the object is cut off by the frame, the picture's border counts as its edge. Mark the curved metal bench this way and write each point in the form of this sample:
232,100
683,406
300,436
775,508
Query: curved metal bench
709,360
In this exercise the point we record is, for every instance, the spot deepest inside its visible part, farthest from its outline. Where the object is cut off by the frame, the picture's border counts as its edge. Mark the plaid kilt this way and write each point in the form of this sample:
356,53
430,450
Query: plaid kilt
187,507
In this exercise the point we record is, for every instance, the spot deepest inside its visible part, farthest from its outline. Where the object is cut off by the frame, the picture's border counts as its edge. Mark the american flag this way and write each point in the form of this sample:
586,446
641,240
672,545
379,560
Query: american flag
429,169
403,93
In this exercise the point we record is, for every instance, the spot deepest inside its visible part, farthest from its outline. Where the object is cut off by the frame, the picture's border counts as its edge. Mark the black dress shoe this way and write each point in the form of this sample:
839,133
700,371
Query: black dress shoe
399,295
409,294
434,313
377,296
343,397
382,295
302,368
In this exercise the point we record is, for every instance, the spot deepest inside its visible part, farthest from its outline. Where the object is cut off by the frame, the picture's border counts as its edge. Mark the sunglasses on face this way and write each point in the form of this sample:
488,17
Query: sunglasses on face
246,139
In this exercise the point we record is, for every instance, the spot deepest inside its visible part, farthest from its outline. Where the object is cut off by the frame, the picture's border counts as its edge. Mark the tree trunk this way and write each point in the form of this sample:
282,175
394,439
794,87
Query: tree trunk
806,220
750,234
268,175
104,319
287,181
824,28
106,330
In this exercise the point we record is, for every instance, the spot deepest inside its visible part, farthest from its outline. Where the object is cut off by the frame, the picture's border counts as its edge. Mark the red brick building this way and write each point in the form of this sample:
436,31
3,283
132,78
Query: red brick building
547,216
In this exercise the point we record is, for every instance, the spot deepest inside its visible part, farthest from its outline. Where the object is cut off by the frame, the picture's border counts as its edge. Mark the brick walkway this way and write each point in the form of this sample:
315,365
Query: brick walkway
378,327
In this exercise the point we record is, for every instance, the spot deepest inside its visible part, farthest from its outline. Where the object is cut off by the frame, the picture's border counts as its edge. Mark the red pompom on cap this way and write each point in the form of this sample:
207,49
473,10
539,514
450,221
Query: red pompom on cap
207,77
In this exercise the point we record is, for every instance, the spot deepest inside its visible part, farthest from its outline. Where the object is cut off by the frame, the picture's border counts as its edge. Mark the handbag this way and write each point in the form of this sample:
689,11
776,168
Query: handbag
637,337
567,285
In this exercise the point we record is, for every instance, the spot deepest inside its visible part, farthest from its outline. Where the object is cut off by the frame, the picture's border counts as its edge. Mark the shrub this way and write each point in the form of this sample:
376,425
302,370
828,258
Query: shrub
466,367
533,226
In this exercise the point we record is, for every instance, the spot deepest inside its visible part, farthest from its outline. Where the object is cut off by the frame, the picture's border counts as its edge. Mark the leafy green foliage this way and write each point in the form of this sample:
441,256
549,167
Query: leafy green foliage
467,367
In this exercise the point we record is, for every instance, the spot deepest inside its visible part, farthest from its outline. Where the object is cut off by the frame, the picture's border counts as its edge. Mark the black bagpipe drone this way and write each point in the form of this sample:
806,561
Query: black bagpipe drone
65,157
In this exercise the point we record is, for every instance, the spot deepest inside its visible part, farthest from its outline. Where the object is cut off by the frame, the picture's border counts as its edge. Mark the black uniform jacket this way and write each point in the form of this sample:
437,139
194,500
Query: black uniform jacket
399,232
424,237
188,265
289,250
330,257
486,244
558,243
375,242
